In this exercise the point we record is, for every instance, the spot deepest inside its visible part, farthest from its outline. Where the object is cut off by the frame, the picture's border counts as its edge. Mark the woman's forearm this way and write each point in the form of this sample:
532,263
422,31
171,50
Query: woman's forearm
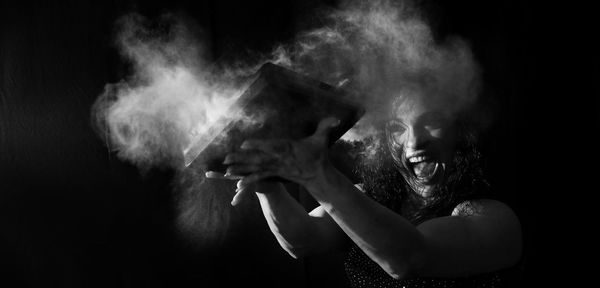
386,237
294,229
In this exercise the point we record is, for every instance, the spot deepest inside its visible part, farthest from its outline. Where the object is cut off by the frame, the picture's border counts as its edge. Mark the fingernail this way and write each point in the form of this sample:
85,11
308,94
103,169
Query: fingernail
236,198
212,174
246,145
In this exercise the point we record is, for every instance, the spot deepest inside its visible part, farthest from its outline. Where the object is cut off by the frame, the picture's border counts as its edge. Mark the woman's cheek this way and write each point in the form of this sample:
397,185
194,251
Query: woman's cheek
437,133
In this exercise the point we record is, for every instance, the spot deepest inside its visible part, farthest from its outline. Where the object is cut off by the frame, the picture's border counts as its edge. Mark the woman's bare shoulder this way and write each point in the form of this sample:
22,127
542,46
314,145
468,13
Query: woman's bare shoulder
483,207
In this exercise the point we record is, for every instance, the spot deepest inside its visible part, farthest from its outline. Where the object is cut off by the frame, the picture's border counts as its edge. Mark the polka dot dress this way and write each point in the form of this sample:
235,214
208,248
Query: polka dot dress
364,272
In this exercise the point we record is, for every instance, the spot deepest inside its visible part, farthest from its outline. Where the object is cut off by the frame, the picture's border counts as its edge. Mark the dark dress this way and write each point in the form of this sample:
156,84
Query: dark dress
466,177
364,272
361,271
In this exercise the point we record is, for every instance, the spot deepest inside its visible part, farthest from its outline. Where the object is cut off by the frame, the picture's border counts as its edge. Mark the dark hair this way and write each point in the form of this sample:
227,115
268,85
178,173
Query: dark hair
384,181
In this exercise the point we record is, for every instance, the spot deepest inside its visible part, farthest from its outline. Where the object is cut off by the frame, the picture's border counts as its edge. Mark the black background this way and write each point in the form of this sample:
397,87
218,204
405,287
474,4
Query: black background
73,215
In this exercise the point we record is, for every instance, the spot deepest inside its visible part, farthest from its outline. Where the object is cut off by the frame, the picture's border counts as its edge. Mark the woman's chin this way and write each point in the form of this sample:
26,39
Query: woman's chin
423,190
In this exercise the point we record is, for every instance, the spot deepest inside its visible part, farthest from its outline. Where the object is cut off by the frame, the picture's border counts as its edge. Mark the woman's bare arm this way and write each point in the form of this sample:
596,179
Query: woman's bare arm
457,245
480,236
298,232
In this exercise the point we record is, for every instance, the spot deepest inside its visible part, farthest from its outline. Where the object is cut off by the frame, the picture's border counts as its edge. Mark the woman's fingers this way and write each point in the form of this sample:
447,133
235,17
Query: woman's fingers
246,186
327,124
247,162
214,175
254,144
241,193
237,198
240,170
219,175
253,178
321,135
248,157
273,147
254,157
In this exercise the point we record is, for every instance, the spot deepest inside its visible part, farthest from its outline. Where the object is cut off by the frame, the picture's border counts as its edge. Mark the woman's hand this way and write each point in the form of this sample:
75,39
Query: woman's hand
300,161
297,161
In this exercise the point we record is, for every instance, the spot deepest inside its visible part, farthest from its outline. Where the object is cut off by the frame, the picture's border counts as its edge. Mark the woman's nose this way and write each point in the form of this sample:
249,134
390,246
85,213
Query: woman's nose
415,138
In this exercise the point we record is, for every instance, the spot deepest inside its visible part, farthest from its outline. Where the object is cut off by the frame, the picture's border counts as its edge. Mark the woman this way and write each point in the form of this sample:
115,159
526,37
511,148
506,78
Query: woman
422,212
425,217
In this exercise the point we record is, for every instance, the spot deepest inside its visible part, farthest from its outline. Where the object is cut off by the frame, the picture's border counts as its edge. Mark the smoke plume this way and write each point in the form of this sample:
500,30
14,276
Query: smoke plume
384,50
171,98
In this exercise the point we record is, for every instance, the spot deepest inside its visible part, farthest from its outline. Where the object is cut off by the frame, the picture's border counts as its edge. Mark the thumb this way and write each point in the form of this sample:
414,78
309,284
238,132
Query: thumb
325,126
241,193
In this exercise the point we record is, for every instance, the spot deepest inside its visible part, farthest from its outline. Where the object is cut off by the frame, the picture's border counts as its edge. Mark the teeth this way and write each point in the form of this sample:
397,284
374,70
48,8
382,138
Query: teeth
416,159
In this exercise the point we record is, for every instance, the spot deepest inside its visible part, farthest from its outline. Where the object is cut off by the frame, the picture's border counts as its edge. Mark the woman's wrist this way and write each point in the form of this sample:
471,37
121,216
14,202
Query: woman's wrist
324,176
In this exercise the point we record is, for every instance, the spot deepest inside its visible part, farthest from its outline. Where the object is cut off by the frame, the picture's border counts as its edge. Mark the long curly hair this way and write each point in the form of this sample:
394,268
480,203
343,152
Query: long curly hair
384,180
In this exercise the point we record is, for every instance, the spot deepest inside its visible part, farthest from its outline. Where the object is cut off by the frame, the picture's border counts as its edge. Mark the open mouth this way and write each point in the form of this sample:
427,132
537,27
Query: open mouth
425,168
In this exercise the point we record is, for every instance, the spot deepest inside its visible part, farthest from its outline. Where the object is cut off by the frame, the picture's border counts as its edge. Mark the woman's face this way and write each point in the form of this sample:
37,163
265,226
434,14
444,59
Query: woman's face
422,140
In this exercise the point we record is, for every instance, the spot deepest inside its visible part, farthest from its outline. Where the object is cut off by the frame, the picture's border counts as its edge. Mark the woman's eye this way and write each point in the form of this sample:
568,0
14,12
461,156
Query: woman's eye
434,130
434,124
396,128
432,127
